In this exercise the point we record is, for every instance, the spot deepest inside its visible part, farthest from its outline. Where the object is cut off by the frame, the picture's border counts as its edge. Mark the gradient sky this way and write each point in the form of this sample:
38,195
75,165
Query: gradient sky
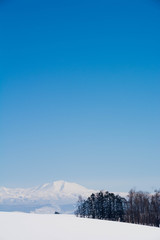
80,93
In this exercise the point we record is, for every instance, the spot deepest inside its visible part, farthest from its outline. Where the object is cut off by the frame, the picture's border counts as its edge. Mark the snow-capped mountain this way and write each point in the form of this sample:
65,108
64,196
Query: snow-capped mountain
50,197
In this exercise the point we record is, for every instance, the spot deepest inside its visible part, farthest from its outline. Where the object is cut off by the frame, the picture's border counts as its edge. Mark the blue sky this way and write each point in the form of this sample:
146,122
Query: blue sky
80,93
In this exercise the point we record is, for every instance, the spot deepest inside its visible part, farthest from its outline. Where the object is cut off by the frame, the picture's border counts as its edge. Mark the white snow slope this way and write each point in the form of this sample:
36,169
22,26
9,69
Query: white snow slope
18,226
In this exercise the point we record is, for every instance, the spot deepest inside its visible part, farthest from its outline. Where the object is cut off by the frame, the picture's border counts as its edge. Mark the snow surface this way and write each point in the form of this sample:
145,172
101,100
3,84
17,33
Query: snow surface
18,226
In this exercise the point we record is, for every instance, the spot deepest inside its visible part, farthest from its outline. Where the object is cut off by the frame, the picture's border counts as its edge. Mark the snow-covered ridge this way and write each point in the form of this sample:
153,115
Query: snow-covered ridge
59,196
54,190
54,196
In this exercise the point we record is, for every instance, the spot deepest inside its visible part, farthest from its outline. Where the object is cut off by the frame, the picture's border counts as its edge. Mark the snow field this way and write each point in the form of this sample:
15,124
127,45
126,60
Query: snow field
23,226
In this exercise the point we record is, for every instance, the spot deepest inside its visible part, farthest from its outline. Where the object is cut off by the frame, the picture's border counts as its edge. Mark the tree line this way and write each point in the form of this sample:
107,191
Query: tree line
138,207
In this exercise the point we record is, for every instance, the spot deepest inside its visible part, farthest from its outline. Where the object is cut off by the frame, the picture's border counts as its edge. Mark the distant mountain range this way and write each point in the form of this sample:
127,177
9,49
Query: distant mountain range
58,196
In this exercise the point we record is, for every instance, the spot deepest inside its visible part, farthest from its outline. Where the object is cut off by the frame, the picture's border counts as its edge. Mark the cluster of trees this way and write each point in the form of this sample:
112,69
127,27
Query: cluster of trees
143,208
102,206
137,207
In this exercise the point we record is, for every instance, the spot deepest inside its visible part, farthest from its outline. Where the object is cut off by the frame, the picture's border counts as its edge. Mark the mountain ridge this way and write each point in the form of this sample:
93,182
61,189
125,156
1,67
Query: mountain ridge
59,195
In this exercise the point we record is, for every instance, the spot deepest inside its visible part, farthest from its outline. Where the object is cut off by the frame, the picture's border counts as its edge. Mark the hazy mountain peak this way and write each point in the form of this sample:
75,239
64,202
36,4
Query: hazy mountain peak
57,195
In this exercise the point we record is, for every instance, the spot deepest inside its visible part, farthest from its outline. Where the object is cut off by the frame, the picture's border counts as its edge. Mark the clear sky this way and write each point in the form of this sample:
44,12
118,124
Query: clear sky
80,93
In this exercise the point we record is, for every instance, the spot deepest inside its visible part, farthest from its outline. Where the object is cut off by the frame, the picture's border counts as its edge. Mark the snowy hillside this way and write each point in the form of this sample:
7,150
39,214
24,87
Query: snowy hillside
18,226
47,198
